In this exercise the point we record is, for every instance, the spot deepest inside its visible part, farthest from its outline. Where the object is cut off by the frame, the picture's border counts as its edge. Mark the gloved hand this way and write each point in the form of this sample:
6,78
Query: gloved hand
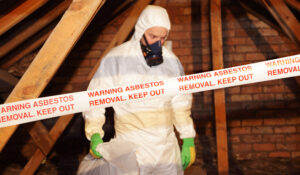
95,141
188,153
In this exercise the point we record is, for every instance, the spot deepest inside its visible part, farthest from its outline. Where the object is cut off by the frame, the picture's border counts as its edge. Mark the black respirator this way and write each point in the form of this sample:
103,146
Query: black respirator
152,53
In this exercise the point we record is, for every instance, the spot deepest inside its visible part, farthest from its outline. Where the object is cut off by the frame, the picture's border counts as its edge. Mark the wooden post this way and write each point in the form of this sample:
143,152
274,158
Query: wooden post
219,95
285,18
52,54
19,13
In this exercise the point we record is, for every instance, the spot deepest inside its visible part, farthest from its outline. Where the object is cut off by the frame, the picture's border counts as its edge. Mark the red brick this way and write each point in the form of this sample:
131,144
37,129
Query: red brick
293,121
293,138
92,54
78,79
182,51
177,27
274,121
255,56
233,90
228,49
259,24
273,138
83,71
268,32
287,147
251,138
239,98
262,130
235,41
234,123
280,154
285,129
252,122
99,45
246,48
263,97
228,33
295,154
251,89
274,89
242,147
179,35
240,130
274,40
263,147
234,139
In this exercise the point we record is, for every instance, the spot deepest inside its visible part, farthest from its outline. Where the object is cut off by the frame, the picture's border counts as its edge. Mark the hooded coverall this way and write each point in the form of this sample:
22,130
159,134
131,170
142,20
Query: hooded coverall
149,123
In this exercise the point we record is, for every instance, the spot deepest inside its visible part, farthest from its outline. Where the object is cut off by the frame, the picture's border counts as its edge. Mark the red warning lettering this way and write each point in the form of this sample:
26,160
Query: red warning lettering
283,70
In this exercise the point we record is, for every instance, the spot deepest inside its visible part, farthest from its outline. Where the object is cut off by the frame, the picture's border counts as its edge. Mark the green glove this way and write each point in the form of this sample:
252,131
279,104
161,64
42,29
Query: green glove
95,141
188,153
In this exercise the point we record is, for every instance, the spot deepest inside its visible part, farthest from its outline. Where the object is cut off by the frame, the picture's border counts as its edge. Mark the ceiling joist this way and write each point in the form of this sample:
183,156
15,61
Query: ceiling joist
21,36
19,13
285,18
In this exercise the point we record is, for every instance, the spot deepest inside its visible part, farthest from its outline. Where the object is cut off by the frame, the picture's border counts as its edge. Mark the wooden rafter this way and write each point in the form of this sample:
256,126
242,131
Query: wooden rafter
259,11
19,13
285,18
21,36
29,46
294,4
52,54
219,95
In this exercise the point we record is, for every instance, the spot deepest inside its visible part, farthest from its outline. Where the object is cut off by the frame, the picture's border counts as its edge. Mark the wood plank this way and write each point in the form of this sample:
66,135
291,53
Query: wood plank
285,18
50,57
123,32
294,4
260,12
219,95
40,136
28,47
20,36
19,13
38,156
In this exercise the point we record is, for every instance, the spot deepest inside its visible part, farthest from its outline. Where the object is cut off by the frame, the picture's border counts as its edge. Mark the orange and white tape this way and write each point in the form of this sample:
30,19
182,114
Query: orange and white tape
53,106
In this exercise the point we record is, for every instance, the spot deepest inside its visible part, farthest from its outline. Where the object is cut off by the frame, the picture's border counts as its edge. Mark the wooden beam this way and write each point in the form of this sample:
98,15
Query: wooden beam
38,156
27,48
40,136
19,13
294,4
285,18
219,95
20,36
8,78
50,57
260,12
123,32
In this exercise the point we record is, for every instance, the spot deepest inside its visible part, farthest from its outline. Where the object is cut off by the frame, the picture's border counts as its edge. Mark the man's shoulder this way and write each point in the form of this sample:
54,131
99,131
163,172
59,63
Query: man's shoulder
120,49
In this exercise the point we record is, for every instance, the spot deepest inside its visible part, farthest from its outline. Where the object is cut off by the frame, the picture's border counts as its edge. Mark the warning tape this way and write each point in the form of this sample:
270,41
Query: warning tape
48,107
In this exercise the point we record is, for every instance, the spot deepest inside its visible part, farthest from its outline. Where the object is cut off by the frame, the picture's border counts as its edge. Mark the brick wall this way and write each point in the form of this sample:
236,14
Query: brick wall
263,118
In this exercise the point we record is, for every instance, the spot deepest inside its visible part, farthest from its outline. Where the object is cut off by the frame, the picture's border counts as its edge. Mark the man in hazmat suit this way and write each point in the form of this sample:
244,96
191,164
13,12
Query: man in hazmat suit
149,123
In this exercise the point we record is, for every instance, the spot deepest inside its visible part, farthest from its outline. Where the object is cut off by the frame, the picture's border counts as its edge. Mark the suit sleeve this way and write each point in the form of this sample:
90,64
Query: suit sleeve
103,79
181,106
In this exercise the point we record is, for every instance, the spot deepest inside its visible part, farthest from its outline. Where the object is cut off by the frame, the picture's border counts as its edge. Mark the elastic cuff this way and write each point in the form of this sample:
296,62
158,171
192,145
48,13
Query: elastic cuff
188,142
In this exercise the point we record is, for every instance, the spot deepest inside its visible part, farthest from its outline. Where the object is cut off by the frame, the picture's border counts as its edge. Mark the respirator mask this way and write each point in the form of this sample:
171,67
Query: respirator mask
152,53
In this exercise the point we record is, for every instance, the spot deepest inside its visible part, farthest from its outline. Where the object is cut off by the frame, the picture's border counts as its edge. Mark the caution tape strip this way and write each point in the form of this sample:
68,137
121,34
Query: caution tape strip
53,106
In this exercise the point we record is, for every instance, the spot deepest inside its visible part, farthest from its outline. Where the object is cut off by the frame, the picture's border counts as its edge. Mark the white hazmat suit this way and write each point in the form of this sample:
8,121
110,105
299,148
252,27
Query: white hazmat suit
149,123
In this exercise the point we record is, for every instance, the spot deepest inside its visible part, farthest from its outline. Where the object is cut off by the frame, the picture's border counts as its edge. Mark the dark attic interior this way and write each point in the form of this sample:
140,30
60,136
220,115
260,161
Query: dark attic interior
52,47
